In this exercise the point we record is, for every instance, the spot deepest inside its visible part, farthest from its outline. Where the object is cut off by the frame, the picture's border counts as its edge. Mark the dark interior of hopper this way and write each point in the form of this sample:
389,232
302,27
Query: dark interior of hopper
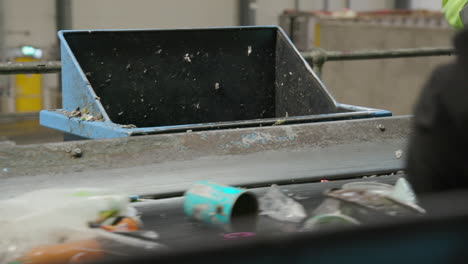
154,78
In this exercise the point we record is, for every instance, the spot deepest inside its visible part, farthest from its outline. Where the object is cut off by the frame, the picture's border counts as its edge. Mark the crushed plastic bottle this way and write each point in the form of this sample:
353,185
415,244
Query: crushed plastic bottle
280,207
402,191
359,203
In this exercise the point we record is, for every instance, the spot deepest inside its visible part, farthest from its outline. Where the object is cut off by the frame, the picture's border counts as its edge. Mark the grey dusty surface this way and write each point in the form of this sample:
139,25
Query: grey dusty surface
173,176
170,163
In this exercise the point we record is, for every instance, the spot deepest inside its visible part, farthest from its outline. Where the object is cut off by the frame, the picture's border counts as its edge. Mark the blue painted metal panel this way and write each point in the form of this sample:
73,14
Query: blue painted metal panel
373,112
87,129
76,89
79,93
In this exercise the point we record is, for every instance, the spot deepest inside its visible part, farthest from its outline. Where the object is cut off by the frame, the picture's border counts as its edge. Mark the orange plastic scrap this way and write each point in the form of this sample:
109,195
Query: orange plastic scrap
84,251
126,224
74,252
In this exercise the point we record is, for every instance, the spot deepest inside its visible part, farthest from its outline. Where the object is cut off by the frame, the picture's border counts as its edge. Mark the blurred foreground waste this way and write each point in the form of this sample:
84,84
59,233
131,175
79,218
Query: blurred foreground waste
280,207
67,226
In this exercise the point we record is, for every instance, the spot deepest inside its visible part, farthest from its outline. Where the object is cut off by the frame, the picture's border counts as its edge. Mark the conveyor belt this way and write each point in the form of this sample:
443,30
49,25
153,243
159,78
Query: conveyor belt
166,217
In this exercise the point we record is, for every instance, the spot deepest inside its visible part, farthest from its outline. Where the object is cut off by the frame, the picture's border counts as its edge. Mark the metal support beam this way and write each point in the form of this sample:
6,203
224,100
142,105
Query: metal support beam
247,12
326,6
348,4
386,54
317,57
297,5
402,4
63,20
30,67
2,31
63,9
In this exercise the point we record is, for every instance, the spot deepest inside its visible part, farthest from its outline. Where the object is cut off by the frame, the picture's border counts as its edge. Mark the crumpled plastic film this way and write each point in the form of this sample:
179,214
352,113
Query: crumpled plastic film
280,207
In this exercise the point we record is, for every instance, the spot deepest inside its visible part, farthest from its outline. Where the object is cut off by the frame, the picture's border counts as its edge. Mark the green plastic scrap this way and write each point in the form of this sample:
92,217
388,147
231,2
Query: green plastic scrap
279,122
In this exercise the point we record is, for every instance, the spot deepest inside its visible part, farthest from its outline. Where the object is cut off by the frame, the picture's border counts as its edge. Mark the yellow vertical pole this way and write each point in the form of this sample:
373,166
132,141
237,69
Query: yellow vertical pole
317,35
28,90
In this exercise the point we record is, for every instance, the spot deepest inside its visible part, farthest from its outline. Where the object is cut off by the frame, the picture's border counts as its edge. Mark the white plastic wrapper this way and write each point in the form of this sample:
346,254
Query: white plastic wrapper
54,216
280,207
404,192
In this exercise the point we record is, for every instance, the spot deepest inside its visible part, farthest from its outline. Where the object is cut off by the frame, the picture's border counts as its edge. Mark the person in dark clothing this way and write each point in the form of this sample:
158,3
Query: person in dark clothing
438,148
